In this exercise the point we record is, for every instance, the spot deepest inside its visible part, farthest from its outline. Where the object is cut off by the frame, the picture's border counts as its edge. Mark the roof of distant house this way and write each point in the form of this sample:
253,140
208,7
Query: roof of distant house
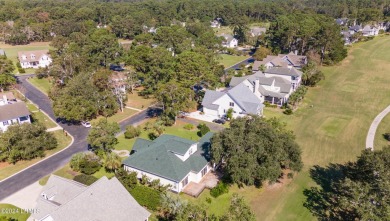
13,111
281,60
71,200
8,94
258,30
284,71
228,37
32,55
341,21
158,157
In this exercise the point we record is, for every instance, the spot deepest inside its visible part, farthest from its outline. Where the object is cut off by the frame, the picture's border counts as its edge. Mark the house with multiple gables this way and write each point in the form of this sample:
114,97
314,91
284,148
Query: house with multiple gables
34,59
12,111
281,60
229,41
106,199
240,98
173,160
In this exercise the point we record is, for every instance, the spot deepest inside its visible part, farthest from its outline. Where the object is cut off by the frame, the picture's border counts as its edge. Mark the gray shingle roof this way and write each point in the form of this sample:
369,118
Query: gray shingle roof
91,204
284,71
245,98
13,111
209,97
158,159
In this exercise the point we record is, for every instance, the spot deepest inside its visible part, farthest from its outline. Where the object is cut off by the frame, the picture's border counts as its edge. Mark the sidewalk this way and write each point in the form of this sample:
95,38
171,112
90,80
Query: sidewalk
374,125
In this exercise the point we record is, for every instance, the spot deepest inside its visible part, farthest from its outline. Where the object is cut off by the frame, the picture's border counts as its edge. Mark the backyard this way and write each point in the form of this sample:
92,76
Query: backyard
230,60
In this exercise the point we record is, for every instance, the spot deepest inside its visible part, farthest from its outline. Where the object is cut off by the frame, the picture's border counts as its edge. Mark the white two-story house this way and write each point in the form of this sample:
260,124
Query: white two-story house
229,41
34,59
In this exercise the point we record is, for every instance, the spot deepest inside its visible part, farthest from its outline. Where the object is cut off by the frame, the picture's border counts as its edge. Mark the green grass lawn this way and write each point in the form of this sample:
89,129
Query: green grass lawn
223,30
139,102
384,127
118,117
11,211
334,129
229,60
42,84
9,169
12,51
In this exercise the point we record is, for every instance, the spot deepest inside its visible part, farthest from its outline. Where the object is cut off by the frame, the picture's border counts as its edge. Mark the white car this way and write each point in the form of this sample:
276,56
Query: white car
86,124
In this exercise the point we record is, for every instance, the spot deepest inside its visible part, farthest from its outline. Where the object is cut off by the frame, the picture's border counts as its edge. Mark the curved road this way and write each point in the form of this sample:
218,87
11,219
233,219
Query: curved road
374,125
48,166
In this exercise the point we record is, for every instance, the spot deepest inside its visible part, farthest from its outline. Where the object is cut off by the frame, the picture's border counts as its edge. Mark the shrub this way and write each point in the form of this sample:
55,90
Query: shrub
188,127
85,179
89,167
220,189
386,136
132,132
288,111
128,180
290,175
208,200
21,70
18,65
229,113
147,197
75,161
203,129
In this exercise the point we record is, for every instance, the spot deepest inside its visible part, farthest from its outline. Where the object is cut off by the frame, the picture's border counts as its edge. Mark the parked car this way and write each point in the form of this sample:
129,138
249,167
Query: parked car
86,124
219,121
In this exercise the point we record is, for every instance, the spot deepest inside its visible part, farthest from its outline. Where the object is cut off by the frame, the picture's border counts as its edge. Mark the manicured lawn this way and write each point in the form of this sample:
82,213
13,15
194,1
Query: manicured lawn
42,84
177,129
334,129
11,211
384,127
118,117
139,102
229,60
12,51
223,30
9,169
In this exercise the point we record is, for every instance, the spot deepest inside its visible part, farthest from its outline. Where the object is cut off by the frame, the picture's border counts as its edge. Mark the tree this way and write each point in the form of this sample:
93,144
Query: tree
112,161
6,77
132,132
253,150
102,135
356,190
238,210
261,53
128,180
311,74
25,142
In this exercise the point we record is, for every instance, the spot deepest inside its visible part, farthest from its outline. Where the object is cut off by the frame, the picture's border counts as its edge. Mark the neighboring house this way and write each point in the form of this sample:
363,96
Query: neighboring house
119,81
229,41
34,59
215,24
291,74
342,21
239,98
348,37
173,160
63,200
151,30
369,30
257,31
281,60
13,113
356,28
7,98
273,89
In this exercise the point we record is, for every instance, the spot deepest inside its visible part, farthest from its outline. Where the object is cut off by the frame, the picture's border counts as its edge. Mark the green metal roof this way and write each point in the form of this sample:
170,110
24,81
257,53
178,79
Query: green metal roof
156,156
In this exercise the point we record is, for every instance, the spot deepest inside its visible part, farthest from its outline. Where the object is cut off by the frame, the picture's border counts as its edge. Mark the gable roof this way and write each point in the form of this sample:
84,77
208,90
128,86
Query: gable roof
258,30
9,95
13,111
245,98
281,60
209,97
227,37
158,159
38,54
91,202
284,71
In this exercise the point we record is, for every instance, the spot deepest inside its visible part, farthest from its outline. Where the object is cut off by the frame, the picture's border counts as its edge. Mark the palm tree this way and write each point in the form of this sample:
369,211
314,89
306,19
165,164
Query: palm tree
112,161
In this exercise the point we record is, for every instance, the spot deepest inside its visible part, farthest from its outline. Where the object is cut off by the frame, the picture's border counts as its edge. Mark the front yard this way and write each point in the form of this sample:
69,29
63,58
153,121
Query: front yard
43,84
11,212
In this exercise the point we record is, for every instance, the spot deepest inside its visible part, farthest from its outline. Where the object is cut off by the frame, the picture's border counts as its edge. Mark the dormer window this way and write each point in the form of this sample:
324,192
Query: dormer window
24,57
32,56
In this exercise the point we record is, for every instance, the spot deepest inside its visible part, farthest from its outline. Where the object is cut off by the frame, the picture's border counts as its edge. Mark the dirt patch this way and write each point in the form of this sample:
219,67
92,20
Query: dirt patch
284,180
4,164
73,173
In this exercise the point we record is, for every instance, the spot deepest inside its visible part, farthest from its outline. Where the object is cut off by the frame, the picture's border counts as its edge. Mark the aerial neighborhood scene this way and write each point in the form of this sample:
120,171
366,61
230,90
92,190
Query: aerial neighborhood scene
200,110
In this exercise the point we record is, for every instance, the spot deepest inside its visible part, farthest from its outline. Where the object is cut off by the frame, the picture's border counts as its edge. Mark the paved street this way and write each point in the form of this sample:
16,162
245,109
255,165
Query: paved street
47,166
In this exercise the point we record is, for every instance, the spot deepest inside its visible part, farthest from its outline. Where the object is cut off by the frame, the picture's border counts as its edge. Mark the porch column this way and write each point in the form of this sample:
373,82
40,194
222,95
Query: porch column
273,100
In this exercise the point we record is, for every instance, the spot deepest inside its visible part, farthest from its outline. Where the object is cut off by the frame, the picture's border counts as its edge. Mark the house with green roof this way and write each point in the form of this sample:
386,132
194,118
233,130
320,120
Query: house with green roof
173,160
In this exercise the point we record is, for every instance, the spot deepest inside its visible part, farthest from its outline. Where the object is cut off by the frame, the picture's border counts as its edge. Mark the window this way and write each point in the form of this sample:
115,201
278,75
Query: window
184,182
190,152
231,104
5,123
204,171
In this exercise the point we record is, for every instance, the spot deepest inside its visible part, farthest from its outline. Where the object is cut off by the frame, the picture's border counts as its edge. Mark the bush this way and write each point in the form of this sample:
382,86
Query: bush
132,132
288,111
188,127
147,197
220,189
203,129
208,200
21,70
75,161
128,180
89,167
290,175
85,179
18,65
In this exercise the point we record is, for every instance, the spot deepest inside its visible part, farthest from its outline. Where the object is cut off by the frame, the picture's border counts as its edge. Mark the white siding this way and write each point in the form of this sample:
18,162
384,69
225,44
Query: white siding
210,112
5,124
224,106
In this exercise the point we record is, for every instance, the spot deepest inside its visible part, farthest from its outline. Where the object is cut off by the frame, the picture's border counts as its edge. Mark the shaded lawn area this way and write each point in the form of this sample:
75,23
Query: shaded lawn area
334,129
42,118
229,60
44,85
118,117
383,128
223,30
137,101
7,169
14,212
177,129
12,51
